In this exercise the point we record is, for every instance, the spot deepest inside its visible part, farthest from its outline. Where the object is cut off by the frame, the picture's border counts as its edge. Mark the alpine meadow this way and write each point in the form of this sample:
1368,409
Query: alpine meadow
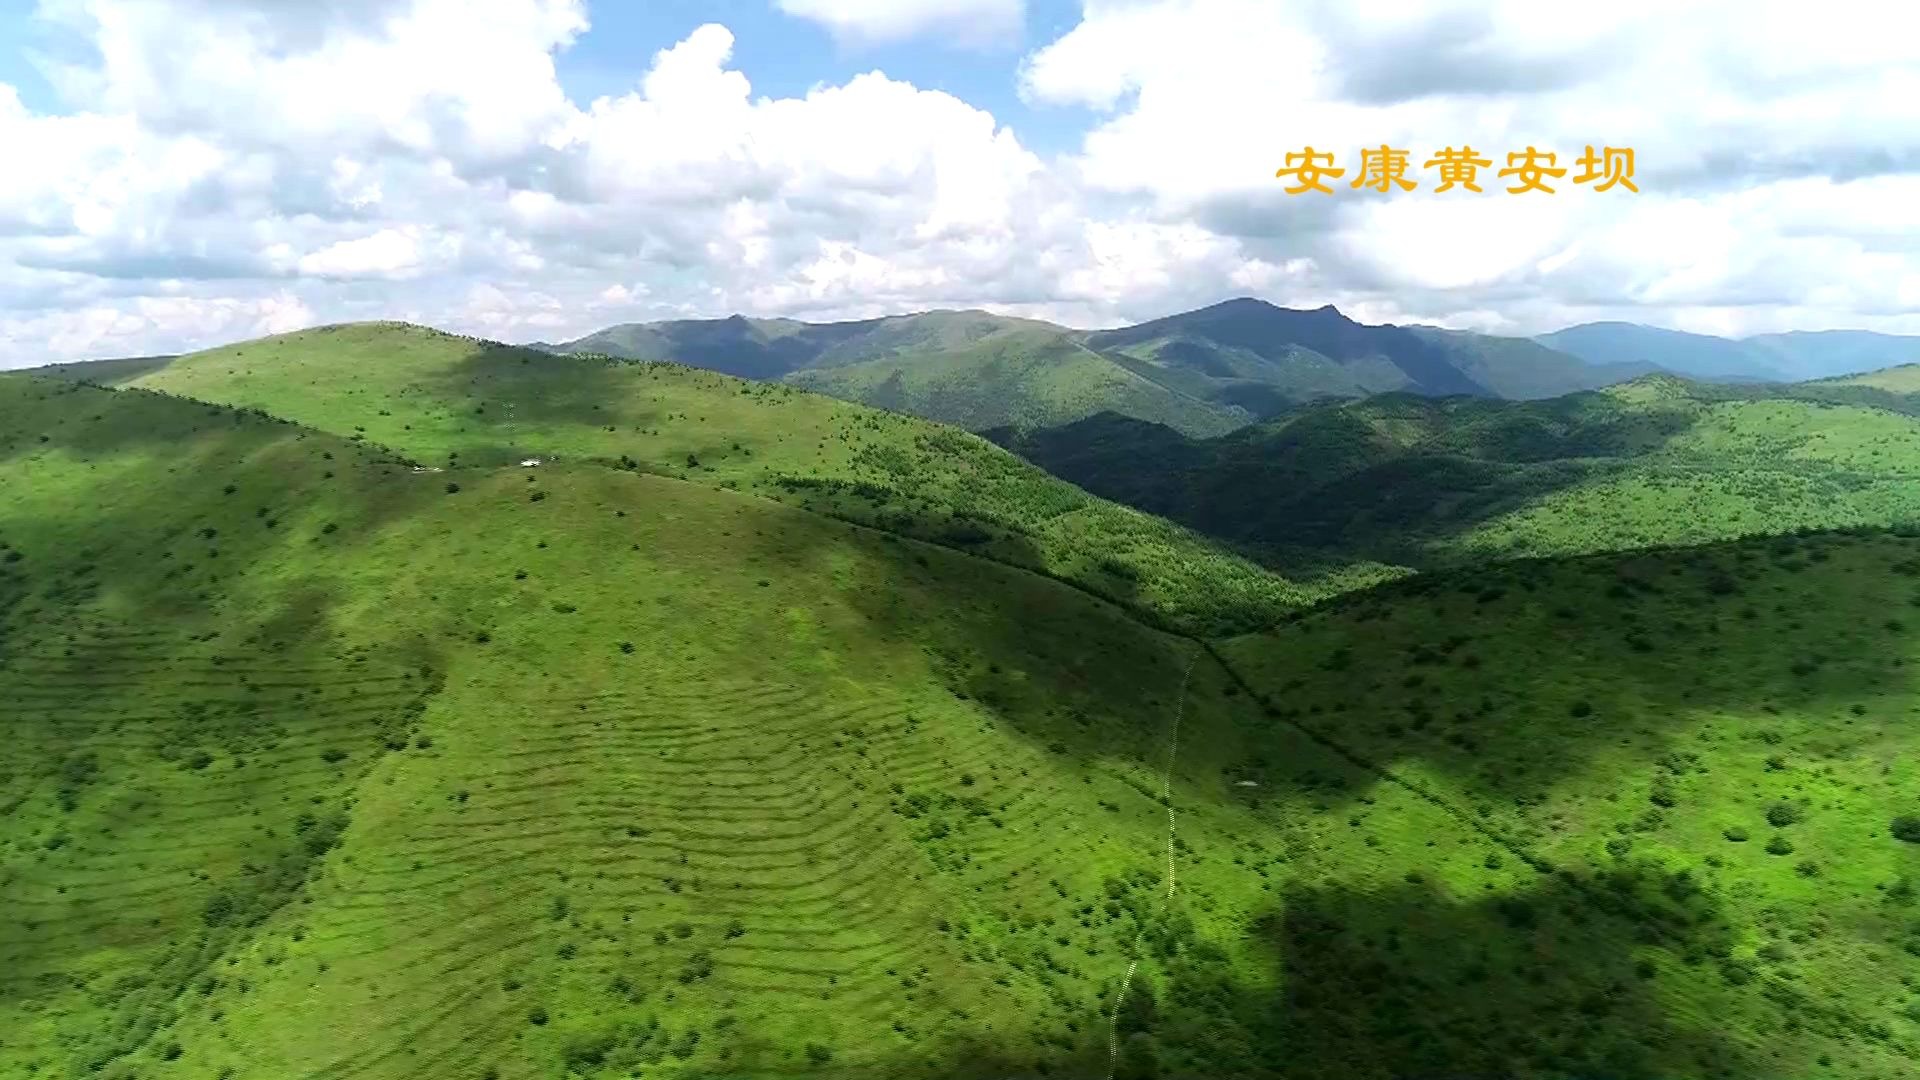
959,540
496,712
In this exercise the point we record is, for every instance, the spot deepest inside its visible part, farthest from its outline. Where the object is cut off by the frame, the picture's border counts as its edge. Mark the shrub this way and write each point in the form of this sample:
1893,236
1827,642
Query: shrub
1783,813
453,488
1779,845
1581,709
698,966
537,1016
1736,834
818,1055
1906,827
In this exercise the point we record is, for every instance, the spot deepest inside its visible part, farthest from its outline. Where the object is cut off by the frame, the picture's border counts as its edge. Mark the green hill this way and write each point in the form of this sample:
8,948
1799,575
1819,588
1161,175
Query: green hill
966,368
448,400
571,767
1025,378
1422,482
106,372
1904,379
1519,369
1202,372
1713,743
332,759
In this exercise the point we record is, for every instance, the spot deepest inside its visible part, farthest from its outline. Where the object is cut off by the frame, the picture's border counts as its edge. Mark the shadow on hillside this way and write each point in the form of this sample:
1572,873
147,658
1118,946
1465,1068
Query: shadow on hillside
40,414
1564,980
519,403
1384,479
221,491
1560,980
1510,679
1515,677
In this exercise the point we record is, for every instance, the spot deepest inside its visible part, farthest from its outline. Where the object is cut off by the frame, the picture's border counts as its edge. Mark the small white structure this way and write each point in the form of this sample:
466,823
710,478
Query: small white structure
1249,783
531,462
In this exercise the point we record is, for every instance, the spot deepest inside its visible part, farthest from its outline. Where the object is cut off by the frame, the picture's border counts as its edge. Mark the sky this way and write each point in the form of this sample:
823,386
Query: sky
176,174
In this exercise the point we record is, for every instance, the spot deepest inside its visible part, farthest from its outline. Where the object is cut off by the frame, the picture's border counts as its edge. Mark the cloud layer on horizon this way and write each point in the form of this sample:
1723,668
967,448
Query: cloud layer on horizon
226,168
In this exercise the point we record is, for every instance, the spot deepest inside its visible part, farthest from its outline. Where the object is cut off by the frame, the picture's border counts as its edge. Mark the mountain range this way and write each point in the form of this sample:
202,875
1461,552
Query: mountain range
1790,357
532,715
1208,371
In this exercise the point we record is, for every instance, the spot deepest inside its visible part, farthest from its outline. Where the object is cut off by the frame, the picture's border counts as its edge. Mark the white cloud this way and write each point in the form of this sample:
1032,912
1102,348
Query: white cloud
247,163
389,253
966,22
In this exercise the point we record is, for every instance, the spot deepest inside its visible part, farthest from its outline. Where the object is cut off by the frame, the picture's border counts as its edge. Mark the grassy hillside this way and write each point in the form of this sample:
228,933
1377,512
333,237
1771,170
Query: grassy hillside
749,348
585,770
1023,378
1373,358
1716,743
967,368
1518,369
1904,379
1895,389
448,401
106,372
1202,372
1424,482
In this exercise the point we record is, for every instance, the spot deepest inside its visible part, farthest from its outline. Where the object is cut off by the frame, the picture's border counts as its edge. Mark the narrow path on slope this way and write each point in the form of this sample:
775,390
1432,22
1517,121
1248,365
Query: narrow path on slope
1166,797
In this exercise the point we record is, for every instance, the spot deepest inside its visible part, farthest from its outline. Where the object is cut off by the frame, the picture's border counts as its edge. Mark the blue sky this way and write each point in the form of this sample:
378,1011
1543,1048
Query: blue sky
227,168
783,55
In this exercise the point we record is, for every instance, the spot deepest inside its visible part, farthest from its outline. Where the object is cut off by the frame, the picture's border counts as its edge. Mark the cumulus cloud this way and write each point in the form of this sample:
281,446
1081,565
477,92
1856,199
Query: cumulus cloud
221,166
1771,140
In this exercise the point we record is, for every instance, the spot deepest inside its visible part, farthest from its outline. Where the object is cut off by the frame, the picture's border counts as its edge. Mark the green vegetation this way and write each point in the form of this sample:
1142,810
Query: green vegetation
1201,372
752,733
1716,693
1251,354
967,368
1427,482
454,403
1025,377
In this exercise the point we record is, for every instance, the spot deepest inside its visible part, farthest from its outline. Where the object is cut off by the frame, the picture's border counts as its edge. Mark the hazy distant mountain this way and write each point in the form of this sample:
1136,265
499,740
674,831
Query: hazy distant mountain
1201,372
1789,357
1823,354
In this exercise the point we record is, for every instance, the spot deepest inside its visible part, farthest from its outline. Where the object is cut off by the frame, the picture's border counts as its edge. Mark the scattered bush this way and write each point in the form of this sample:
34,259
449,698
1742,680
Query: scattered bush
1736,834
1906,827
1779,845
1783,813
